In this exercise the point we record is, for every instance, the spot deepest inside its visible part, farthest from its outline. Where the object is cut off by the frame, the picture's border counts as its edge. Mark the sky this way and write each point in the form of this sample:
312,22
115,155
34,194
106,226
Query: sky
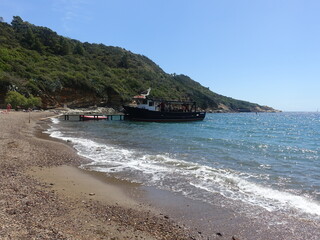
262,51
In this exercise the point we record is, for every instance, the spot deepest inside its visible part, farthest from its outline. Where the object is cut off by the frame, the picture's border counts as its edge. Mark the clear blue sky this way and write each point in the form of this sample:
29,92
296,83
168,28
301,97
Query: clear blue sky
262,51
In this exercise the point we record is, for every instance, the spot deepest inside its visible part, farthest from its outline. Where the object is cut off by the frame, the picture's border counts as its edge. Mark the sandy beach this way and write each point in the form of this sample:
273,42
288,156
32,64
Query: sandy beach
45,196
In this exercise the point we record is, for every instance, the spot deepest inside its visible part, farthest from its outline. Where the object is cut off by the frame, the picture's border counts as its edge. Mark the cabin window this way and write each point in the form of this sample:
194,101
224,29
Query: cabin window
144,101
151,104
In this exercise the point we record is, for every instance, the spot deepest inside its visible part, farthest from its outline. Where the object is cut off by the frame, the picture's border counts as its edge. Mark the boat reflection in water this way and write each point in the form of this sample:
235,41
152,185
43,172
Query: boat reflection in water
147,109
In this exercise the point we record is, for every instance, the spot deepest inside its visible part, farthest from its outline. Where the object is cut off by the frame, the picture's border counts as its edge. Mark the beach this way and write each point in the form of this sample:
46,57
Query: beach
45,196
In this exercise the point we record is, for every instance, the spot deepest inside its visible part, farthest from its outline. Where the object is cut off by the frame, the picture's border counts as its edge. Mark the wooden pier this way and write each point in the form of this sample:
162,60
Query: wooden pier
84,117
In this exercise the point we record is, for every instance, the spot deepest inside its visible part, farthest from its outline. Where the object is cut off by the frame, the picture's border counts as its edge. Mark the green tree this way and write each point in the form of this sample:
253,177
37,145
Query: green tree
16,22
32,102
29,38
18,100
4,82
124,62
64,47
15,99
37,45
78,49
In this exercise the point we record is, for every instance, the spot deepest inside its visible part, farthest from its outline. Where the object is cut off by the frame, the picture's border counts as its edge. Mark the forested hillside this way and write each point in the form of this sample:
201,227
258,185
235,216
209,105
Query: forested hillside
62,71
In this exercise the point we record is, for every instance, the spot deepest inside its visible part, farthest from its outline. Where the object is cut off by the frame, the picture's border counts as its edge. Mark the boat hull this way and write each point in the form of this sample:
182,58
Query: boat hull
138,114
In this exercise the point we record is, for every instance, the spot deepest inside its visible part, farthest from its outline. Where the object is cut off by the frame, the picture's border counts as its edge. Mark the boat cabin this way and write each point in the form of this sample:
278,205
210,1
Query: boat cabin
143,102
148,104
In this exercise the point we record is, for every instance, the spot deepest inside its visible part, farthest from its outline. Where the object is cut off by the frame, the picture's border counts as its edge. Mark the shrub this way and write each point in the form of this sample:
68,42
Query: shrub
15,99
18,100
33,102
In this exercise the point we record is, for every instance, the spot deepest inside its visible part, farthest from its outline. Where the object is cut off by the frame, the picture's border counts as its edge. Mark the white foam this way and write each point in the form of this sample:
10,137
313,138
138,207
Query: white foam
237,188
55,120
53,129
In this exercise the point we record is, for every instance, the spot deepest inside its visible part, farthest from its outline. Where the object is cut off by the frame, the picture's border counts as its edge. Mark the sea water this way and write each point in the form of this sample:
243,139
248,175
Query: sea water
266,160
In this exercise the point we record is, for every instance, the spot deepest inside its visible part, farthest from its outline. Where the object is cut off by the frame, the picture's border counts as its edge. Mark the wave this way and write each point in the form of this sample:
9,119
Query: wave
190,178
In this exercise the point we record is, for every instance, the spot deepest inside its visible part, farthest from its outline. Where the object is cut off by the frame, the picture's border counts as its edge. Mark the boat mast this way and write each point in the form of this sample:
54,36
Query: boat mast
146,94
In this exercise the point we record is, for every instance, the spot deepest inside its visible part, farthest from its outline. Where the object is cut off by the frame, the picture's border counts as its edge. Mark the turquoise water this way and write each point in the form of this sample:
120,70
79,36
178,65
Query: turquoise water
266,160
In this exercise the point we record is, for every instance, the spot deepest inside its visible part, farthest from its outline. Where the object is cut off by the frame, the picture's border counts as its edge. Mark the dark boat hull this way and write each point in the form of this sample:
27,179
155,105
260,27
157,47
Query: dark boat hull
138,114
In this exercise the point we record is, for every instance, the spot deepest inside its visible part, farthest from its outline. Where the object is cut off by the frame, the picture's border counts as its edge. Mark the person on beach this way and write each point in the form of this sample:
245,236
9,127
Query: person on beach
8,107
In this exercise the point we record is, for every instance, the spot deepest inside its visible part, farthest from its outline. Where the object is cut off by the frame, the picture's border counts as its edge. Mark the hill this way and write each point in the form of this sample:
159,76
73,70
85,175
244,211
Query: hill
62,71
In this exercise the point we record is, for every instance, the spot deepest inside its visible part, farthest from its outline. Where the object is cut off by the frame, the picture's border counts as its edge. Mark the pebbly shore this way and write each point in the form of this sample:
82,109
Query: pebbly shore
32,207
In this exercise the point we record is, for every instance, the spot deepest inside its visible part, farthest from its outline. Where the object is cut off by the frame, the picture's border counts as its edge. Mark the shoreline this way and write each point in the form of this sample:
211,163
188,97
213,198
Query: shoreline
150,198
91,205
34,207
